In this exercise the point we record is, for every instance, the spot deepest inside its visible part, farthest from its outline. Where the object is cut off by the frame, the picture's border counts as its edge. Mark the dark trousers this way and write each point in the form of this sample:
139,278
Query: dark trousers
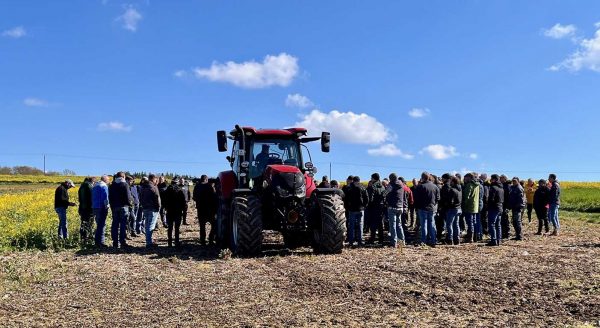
173,221
376,216
185,213
529,210
203,219
440,222
505,223
87,219
484,220
542,216
411,212
517,222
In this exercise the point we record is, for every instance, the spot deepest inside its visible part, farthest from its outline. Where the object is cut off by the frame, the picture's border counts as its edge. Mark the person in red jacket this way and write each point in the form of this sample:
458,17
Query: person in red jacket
409,202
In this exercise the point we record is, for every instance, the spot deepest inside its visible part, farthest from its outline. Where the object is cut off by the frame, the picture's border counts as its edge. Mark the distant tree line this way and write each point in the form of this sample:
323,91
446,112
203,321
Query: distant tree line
30,170
167,175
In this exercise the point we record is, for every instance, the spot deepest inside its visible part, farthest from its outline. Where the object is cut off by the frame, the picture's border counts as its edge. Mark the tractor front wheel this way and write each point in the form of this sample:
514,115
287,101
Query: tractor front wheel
328,234
246,226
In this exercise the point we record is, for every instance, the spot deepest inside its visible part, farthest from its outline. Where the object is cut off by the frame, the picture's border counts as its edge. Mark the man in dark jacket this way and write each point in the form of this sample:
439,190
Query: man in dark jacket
207,202
427,196
133,210
336,186
324,182
541,199
451,199
376,208
504,221
120,199
356,200
151,203
174,202
414,221
516,201
495,210
162,187
85,208
61,203
554,203
485,187
188,196
395,201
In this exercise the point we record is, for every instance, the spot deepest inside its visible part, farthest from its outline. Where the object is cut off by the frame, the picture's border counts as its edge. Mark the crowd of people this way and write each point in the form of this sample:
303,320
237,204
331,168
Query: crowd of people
136,208
448,209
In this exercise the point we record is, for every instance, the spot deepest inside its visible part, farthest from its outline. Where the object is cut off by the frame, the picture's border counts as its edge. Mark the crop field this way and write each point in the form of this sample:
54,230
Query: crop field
542,281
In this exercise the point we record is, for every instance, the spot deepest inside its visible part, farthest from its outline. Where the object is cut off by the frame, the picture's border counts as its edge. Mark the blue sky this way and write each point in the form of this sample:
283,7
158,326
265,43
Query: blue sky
490,86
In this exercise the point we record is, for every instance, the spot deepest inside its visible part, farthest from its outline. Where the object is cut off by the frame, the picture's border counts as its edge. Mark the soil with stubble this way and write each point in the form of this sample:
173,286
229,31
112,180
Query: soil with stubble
542,281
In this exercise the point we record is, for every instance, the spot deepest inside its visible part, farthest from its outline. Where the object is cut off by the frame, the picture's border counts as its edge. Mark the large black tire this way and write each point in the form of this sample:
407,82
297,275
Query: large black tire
246,226
222,224
330,228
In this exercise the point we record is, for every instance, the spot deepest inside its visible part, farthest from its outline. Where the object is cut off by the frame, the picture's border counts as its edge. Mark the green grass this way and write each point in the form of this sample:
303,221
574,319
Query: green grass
581,199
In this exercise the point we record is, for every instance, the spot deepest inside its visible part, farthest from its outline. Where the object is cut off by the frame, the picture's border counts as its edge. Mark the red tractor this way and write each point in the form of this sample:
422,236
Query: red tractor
270,187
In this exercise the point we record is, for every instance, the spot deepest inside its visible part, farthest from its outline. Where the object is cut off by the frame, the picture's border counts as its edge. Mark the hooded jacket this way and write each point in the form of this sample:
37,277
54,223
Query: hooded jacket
470,197
555,194
85,196
427,196
149,197
376,193
61,197
100,195
174,200
516,199
119,194
356,197
206,198
541,198
496,196
395,197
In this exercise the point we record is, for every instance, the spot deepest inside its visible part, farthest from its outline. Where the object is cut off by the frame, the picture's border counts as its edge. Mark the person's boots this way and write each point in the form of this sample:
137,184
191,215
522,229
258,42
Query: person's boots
554,233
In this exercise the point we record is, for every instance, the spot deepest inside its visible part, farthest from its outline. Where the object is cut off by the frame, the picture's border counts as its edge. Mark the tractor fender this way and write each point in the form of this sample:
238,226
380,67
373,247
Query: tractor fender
310,185
227,183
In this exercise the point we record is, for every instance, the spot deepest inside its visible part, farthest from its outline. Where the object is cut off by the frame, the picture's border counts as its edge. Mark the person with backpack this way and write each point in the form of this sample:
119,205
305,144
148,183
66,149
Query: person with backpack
495,210
541,200
516,200
395,204
376,208
356,200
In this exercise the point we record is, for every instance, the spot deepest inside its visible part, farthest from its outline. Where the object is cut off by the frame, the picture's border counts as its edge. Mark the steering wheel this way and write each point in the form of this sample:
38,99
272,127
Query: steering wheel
274,156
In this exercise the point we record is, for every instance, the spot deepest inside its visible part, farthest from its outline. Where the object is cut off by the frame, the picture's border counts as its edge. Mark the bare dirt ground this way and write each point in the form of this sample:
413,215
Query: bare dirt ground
542,281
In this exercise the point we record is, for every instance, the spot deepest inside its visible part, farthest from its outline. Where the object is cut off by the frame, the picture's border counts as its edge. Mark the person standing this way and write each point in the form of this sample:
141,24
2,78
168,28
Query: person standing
151,203
174,203
356,200
529,193
470,207
120,199
100,207
505,221
133,211
395,201
517,204
451,199
483,213
409,202
85,209
554,204
541,199
207,202
324,182
414,222
162,187
61,204
495,210
139,220
427,196
376,208
188,196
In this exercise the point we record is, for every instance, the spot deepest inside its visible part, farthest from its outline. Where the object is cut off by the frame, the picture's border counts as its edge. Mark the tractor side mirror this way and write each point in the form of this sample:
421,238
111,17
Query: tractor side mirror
222,141
325,142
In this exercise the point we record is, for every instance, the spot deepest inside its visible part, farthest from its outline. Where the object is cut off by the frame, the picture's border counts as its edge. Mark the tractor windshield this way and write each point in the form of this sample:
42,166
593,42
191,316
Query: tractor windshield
273,151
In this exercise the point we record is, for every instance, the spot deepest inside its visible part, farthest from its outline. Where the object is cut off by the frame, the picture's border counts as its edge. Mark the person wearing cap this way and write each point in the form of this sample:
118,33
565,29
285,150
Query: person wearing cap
120,199
554,203
61,203
133,210
495,210
85,208
174,203
541,199
100,207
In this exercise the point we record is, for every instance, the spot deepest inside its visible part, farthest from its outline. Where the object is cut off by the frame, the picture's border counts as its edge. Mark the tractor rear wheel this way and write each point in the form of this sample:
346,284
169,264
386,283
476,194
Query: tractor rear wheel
328,234
246,226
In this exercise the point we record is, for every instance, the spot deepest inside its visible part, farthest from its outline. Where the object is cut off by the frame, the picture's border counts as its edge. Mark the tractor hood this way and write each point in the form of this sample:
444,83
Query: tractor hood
286,180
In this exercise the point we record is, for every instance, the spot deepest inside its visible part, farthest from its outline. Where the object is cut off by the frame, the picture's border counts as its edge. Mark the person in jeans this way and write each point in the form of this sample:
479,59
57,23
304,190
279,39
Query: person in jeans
139,220
207,203
100,207
541,199
376,208
61,204
554,203
395,201
495,206
409,201
151,204
174,202
133,210
505,220
85,208
517,204
119,196
529,194
162,187
355,201
427,196
452,199
483,211
414,222
470,207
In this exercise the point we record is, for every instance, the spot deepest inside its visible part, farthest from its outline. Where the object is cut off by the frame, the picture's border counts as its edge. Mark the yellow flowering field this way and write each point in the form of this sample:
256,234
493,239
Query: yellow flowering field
39,178
28,220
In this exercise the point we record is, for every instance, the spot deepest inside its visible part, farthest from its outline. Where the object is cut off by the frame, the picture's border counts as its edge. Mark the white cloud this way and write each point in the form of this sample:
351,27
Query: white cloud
298,100
114,126
180,73
440,152
15,32
473,156
346,126
277,70
389,150
35,102
559,31
586,57
418,112
130,18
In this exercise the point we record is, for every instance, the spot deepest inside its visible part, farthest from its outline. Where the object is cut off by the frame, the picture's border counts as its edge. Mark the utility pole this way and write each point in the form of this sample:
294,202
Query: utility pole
330,176
44,164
